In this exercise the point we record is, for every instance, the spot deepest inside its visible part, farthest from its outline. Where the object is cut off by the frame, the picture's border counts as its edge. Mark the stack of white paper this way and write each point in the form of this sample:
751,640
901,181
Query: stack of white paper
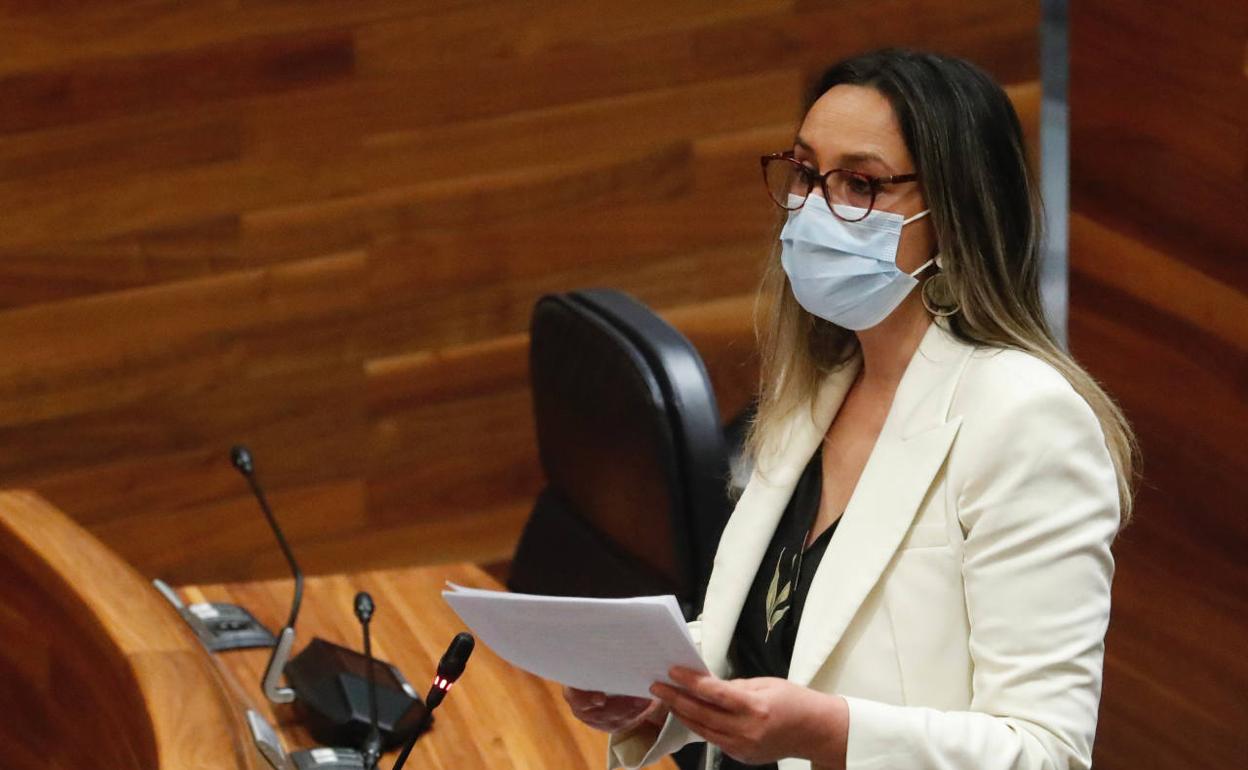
618,646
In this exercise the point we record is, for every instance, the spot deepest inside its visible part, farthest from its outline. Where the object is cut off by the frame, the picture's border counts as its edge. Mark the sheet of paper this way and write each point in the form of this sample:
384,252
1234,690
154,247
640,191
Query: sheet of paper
618,646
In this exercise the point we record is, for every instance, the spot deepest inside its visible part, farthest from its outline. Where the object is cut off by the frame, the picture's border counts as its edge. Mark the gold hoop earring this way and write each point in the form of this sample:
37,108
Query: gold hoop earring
938,297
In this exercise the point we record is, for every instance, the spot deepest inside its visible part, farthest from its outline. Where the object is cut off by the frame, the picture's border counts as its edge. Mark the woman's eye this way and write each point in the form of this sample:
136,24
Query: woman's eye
859,185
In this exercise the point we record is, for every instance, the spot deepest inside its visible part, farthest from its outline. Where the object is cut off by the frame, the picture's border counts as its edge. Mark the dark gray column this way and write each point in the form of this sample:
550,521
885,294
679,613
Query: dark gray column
1055,161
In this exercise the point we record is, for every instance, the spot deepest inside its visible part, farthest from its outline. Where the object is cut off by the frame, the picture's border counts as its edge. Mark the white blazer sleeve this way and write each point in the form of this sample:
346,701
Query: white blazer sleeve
641,747
1038,503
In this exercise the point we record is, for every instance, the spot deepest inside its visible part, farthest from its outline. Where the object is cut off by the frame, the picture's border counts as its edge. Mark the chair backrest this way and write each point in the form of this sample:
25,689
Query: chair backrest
630,440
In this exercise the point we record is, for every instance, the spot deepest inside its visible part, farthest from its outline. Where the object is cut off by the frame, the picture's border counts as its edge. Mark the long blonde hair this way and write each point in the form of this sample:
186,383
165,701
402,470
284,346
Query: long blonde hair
967,144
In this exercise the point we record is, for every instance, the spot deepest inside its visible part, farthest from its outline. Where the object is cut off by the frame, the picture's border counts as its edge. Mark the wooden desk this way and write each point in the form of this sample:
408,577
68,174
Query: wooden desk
496,717
98,670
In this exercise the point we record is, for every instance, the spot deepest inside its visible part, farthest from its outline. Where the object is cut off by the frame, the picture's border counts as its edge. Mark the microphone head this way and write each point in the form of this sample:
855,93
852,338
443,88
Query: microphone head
456,658
240,455
364,607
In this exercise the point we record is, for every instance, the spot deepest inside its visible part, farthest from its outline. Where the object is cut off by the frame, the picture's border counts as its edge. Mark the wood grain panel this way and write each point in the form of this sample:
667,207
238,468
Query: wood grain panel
44,34
999,35
652,173
1179,605
111,87
1161,149
51,272
128,145
298,224
127,348
1159,312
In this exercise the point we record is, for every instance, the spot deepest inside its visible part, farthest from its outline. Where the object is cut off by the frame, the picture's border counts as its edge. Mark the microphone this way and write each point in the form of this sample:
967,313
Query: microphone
333,686
241,457
271,683
372,745
450,668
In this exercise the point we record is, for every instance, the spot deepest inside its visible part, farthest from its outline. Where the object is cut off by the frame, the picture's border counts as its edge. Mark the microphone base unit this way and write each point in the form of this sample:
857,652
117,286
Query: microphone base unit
219,626
331,692
270,747
328,759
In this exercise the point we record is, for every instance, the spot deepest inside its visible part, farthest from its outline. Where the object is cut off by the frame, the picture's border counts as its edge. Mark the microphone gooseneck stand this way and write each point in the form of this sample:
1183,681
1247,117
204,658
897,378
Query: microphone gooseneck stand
271,684
372,744
333,721
452,665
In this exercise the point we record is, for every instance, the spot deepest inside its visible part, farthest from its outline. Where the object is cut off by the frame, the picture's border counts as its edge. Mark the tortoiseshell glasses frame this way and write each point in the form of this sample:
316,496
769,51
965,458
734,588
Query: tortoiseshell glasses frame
785,175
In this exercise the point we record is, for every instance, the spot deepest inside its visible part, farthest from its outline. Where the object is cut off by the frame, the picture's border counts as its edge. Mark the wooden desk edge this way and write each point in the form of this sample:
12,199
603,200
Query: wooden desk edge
193,719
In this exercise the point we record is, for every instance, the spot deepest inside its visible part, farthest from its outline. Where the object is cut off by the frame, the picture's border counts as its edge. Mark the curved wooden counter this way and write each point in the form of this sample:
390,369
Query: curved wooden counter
497,717
96,669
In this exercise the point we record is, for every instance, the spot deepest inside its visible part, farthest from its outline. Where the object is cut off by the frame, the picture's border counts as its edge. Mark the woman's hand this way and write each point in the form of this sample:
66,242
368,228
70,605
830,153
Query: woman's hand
759,720
613,713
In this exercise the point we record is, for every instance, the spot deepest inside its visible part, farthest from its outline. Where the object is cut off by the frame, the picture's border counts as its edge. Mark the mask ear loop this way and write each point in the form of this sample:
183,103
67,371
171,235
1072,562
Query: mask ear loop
916,217
936,257
924,266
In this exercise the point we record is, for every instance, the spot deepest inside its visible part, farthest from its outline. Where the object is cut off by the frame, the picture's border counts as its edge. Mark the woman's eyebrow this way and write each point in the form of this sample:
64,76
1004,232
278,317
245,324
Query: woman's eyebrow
858,157
851,157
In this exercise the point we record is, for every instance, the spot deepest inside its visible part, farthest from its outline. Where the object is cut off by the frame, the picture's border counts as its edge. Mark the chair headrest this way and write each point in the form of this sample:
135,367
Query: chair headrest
627,421
604,436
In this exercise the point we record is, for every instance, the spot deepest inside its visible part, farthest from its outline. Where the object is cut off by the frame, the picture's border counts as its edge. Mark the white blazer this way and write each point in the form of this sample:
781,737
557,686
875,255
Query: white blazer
962,604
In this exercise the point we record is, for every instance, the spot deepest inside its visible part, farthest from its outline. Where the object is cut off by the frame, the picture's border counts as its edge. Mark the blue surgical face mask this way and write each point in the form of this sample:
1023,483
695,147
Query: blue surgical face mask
845,272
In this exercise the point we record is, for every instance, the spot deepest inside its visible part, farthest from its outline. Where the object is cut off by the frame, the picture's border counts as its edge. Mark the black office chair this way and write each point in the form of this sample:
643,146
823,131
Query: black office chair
634,454
636,462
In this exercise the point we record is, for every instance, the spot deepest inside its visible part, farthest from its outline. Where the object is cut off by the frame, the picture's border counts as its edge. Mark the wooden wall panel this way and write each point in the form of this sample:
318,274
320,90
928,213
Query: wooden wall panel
1159,312
319,227
114,87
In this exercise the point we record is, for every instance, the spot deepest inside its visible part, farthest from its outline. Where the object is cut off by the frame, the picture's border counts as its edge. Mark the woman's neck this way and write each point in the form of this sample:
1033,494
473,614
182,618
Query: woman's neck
888,346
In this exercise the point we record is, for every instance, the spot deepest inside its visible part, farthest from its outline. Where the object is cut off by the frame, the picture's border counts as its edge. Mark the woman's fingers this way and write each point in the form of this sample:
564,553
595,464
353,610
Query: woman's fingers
710,688
584,699
596,699
583,702
609,713
688,706
706,720
624,707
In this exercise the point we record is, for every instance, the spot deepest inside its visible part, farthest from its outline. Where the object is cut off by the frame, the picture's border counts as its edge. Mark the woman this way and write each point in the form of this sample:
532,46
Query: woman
918,573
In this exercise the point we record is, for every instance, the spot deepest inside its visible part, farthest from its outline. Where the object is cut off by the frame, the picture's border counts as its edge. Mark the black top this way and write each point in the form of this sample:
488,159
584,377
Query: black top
762,644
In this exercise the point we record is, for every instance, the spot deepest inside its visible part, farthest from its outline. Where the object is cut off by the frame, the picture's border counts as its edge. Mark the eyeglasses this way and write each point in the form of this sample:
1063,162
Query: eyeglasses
849,194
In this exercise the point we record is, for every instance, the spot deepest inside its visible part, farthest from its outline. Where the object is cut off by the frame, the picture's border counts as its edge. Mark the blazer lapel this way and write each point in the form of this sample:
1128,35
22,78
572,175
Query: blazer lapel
753,521
910,450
